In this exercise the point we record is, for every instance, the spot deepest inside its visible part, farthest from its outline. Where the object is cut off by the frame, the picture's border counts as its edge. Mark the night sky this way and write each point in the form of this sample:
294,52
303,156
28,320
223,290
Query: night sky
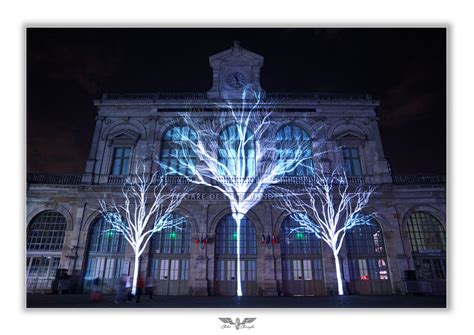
68,68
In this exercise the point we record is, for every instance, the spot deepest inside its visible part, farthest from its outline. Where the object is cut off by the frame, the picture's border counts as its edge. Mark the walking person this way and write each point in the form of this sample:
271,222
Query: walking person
120,289
149,287
139,288
96,294
128,288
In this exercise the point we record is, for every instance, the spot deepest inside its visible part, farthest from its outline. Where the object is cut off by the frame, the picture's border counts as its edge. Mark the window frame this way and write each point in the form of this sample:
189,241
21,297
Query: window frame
225,135
170,145
306,170
351,159
122,159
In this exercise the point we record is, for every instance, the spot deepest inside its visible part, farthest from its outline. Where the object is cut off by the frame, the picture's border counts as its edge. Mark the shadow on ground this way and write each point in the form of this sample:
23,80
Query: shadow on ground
107,301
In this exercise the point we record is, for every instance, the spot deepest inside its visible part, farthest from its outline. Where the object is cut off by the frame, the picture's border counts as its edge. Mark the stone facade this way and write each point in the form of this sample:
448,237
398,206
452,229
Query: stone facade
139,121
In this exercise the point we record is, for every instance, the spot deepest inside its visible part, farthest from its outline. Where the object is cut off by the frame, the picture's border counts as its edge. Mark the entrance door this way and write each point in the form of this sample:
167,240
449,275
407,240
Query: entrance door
369,276
171,276
226,277
107,269
41,272
105,257
225,270
303,277
432,270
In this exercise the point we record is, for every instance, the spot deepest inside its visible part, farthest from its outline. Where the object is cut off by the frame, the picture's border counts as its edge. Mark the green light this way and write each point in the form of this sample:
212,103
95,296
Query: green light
109,233
299,236
234,235
173,235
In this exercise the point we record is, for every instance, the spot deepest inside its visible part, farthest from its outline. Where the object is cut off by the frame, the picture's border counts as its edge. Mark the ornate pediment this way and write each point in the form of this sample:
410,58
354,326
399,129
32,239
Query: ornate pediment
233,71
124,136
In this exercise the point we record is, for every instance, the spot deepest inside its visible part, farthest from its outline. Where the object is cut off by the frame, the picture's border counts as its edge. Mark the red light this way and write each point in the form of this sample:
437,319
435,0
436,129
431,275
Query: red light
365,277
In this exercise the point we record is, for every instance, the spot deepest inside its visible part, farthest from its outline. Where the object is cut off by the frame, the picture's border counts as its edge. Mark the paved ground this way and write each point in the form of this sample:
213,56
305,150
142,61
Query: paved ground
387,301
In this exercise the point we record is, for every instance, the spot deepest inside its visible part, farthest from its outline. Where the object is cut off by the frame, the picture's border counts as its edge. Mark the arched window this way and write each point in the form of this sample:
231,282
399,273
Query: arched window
428,243
169,261
46,232
367,259
45,240
226,237
301,261
105,256
236,154
289,139
104,240
426,233
177,156
176,240
225,270
298,243
365,240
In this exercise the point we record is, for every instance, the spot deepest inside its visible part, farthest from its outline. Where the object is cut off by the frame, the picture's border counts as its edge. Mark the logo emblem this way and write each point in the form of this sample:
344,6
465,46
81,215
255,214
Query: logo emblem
228,323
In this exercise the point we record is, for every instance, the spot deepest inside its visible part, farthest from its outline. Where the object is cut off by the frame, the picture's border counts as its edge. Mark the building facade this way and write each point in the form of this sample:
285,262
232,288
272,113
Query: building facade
65,230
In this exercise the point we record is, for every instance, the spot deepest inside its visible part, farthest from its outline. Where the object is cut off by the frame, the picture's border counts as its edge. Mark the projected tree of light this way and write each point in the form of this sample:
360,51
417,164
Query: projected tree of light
236,153
328,207
146,207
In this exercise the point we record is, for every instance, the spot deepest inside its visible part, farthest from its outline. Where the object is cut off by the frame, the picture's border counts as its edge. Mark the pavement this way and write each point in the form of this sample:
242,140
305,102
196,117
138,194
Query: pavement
355,301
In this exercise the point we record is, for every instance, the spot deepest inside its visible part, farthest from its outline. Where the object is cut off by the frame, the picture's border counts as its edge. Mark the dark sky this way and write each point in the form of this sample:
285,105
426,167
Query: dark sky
68,68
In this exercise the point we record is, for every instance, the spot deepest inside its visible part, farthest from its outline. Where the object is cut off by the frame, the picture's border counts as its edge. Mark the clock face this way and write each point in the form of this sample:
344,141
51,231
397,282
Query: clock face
236,80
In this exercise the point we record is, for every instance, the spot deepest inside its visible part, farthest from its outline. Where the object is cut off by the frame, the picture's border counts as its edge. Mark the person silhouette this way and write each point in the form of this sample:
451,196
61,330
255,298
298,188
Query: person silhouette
149,287
139,288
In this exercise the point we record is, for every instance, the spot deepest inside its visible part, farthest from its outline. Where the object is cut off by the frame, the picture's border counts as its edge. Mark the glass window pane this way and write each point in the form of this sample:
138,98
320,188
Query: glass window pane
120,161
175,240
298,243
432,237
352,164
226,237
46,231
293,144
176,144
230,155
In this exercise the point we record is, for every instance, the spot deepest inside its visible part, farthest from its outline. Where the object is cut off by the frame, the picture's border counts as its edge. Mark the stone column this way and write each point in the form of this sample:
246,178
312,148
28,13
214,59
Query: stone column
199,267
91,160
269,287
199,260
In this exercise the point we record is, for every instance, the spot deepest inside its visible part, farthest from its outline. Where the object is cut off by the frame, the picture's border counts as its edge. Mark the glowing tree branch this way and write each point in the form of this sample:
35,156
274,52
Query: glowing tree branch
328,207
236,152
145,208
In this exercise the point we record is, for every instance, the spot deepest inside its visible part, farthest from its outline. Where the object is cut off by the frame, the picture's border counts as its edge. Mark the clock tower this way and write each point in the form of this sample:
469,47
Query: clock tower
233,70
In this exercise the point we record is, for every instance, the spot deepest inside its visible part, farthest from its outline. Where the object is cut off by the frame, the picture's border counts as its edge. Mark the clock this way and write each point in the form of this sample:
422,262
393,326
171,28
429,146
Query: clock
236,79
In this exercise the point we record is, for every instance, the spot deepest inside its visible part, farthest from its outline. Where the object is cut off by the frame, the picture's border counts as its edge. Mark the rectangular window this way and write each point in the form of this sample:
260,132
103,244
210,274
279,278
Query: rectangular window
220,270
109,268
155,268
120,161
164,268
363,269
352,164
230,270
184,269
242,271
318,269
308,275
174,269
251,270
297,272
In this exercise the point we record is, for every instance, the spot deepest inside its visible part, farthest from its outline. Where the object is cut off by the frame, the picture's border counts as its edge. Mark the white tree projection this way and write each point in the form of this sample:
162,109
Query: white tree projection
329,206
236,152
146,207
